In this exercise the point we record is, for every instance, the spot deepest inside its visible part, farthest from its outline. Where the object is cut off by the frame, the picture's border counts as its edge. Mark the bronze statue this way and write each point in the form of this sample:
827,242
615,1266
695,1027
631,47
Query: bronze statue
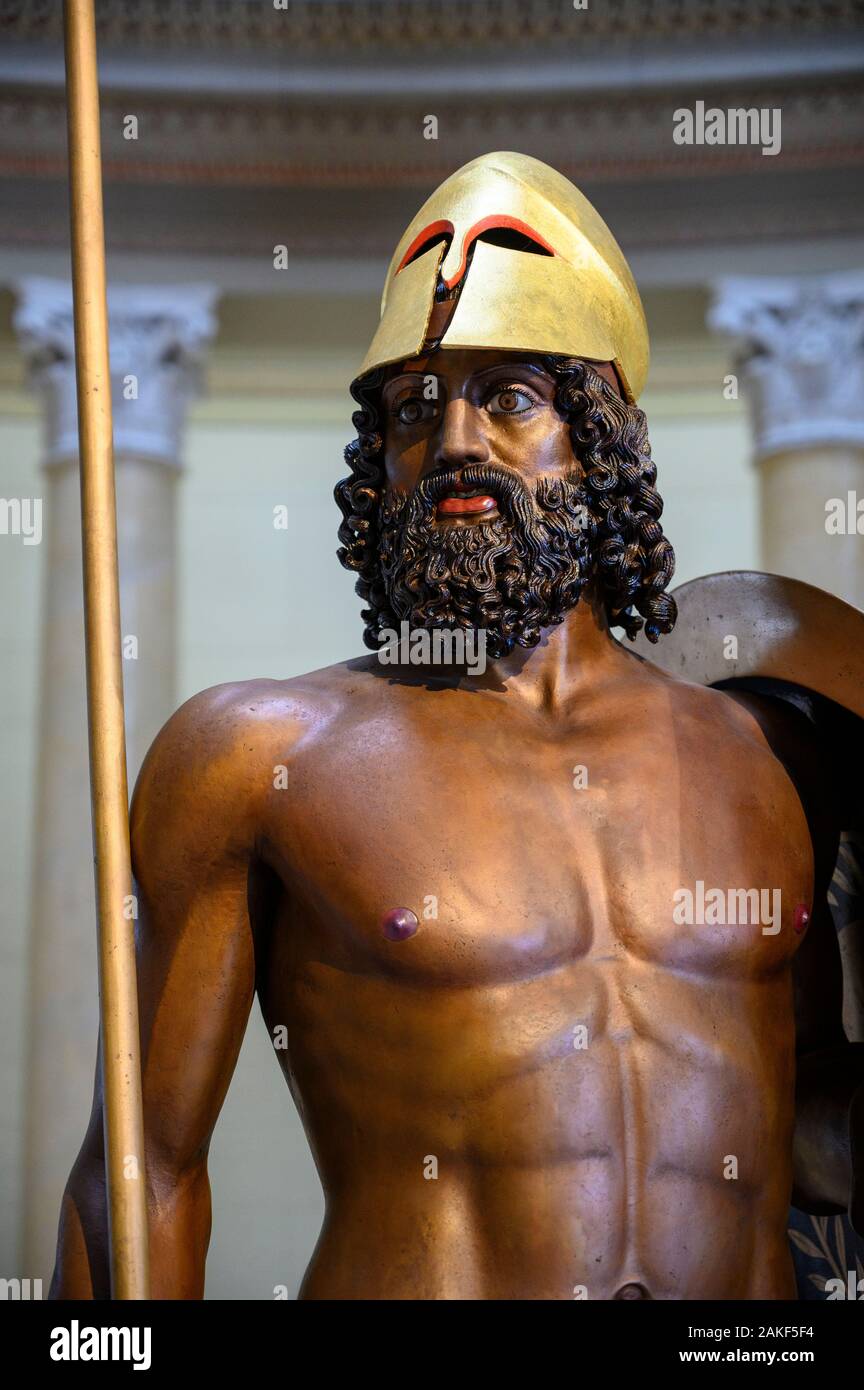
539,935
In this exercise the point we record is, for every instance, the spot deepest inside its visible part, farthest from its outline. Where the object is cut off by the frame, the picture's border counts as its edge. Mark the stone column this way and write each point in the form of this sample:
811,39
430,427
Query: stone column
158,335
802,365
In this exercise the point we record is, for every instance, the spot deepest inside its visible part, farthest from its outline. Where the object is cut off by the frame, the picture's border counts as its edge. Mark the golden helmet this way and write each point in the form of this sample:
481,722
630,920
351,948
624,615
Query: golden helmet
571,294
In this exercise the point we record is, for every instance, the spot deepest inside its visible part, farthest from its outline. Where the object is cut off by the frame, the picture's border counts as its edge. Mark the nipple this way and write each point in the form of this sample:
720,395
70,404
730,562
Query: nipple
800,918
399,923
632,1291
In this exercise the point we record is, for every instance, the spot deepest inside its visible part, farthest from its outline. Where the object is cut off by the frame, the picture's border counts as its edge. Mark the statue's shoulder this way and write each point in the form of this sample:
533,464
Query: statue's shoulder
776,635
243,722
711,726
787,662
203,754
210,768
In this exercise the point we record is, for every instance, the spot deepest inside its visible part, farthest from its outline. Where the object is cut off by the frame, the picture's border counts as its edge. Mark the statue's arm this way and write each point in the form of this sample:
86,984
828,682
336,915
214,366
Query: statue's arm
829,1094
192,832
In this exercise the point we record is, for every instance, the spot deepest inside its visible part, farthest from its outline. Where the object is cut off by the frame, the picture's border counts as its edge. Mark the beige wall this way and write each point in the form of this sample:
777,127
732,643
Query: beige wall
19,660
257,601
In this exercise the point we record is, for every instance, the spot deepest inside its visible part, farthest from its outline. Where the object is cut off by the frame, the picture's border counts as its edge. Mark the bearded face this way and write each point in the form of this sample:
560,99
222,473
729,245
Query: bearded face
509,575
564,497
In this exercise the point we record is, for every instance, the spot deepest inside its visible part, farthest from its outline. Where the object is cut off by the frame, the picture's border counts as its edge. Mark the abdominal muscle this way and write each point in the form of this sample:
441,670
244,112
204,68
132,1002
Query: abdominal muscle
568,1179
524,1241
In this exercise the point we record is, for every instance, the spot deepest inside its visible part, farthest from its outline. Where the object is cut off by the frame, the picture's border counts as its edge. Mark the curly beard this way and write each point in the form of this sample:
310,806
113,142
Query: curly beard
510,576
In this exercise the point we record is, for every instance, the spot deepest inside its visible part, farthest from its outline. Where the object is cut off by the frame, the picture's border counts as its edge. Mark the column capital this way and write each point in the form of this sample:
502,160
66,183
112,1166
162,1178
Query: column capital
801,355
158,336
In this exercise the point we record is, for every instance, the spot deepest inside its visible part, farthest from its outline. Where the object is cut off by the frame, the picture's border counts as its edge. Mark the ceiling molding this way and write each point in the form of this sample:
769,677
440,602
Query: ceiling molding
621,136
416,27
304,127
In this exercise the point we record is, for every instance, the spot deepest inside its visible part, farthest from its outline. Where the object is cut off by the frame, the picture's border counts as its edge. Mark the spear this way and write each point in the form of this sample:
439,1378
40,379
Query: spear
119,1040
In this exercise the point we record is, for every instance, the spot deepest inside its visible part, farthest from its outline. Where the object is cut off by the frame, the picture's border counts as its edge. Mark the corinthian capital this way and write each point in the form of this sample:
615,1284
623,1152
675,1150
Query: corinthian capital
158,335
801,356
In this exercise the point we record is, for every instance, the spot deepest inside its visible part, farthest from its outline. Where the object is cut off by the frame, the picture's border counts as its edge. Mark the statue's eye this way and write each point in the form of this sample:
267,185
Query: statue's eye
509,400
412,410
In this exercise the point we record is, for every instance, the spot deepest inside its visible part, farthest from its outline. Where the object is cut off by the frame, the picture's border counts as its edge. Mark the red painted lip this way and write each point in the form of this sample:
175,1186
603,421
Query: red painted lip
465,506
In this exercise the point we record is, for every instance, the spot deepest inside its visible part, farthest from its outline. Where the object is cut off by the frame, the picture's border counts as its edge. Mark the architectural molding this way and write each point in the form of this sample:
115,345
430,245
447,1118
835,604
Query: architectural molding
323,26
305,126
801,355
617,133
158,334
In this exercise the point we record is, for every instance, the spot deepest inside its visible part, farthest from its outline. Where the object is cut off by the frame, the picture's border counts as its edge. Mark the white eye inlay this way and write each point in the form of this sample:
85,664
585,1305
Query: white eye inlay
509,400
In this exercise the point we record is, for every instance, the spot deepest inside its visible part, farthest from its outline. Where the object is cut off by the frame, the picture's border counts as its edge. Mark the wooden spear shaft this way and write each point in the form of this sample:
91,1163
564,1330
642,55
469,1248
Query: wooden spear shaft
118,998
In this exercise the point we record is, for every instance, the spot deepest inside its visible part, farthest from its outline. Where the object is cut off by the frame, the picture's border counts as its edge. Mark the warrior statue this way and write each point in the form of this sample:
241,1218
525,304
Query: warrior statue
547,939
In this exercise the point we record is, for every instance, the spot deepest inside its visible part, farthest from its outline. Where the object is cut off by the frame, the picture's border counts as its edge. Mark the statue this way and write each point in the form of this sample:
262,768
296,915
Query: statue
538,934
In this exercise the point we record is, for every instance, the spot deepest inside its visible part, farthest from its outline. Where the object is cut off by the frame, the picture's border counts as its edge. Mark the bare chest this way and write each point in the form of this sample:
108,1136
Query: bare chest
505,858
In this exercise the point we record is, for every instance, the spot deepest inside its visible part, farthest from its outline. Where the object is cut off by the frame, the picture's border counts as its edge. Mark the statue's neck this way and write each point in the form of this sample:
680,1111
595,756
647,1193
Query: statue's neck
578,654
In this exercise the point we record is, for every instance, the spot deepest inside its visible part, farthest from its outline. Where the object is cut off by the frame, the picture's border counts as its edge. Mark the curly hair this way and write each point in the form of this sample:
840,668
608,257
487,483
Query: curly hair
633,560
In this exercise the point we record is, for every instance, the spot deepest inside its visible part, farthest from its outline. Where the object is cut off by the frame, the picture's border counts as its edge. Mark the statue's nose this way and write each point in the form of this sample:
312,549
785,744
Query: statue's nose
461,438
